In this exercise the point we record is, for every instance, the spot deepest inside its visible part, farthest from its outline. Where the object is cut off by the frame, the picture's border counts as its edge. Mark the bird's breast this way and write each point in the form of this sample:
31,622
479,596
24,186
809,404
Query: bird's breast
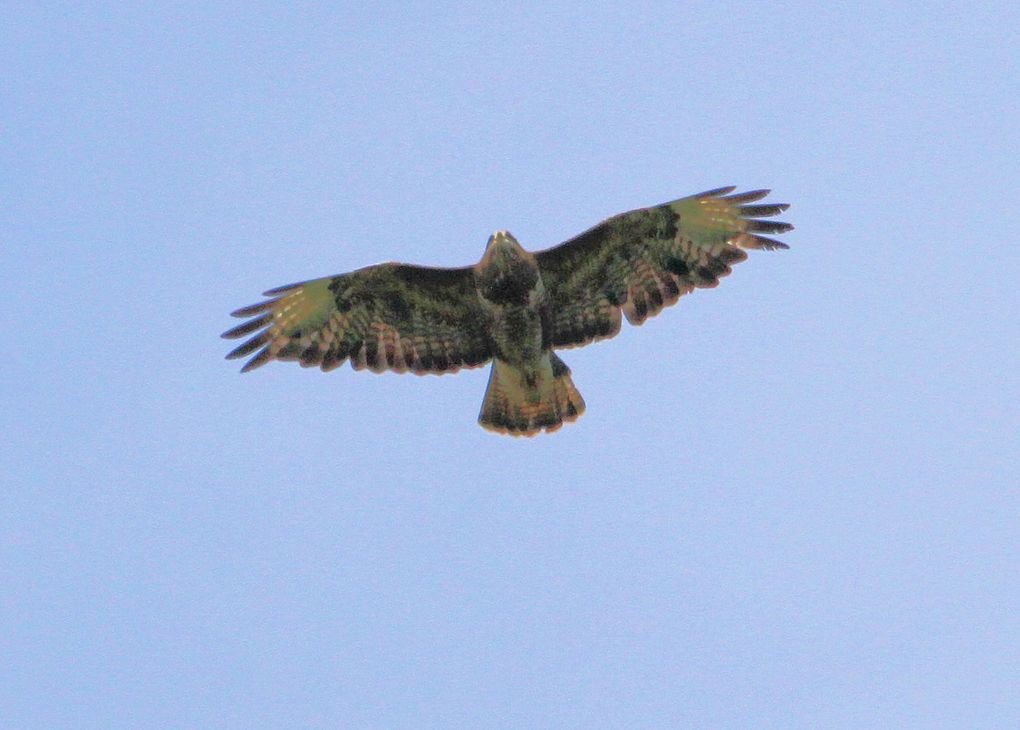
517,332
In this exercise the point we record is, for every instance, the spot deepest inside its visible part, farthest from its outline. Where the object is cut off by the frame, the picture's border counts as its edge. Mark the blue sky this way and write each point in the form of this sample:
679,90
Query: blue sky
793,501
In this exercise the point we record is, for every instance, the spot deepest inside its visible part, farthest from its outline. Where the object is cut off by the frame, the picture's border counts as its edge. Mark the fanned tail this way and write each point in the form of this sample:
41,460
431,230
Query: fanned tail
519,405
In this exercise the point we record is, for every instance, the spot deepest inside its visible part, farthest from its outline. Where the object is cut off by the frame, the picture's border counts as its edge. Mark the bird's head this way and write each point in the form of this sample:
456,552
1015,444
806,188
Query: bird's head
501,246
506,272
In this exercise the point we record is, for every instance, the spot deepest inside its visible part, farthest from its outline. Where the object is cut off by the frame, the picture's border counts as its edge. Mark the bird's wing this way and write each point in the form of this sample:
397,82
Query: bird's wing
385,317
646,259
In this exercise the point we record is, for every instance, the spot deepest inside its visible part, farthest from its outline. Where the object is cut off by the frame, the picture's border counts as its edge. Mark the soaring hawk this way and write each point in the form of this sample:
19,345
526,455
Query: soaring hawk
512,307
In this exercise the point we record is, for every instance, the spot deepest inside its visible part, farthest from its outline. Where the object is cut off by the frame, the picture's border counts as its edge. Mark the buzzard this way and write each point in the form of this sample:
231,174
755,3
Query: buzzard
513,307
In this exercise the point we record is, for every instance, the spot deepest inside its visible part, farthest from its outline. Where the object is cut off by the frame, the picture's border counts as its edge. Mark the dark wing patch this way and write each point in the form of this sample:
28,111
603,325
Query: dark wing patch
386,317
643,261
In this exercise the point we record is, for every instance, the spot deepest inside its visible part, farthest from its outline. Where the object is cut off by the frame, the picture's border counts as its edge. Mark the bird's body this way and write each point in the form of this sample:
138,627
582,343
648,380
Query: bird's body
513,307
528,388
512,294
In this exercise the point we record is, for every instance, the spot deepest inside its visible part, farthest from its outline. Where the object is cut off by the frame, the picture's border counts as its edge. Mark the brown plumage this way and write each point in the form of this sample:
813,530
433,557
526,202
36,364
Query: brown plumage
513,307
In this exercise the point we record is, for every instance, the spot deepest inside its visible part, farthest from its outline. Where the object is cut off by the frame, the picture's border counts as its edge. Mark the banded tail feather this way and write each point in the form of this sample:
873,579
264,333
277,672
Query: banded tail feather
519,405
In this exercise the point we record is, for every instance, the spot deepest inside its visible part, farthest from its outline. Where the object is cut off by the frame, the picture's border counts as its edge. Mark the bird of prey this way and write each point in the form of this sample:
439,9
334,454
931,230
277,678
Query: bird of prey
513,307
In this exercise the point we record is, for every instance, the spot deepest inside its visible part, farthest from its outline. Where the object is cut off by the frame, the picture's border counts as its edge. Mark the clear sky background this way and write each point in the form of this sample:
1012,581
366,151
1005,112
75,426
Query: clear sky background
793,501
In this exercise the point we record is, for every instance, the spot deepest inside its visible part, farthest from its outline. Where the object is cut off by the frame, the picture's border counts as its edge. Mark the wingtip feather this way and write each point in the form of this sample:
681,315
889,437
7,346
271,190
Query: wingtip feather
748,197
247,327
248,347
259,360
286,288
762,211
252,309
775,227
716,192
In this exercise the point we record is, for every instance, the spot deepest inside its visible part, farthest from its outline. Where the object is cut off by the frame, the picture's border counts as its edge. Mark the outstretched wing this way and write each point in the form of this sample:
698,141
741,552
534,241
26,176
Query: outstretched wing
644,260
384,317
